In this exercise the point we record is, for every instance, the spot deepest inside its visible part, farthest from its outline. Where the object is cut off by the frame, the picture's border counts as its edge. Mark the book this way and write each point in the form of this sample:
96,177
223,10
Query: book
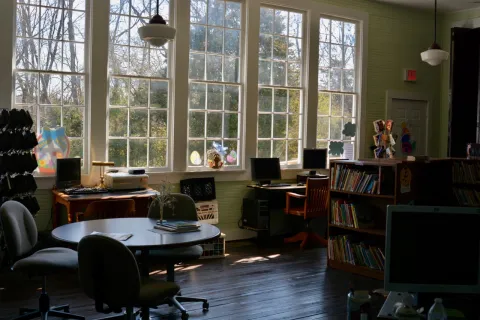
346,249
116,236
179,224
177,230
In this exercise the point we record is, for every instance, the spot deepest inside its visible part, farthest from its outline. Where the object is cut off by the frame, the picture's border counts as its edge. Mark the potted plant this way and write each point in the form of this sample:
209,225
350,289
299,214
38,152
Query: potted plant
164,197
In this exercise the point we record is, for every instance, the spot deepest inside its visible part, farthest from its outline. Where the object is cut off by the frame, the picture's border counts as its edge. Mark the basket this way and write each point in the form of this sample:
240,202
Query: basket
199,189
214,248
207,211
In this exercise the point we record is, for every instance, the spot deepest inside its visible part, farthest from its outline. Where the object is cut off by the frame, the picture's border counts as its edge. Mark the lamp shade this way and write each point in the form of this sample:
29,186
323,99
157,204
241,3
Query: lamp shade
157,34
434,57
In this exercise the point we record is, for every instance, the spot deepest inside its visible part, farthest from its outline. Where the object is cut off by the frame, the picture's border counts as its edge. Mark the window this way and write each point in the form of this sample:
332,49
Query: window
215,104
280,101
337,96
139,91
49,68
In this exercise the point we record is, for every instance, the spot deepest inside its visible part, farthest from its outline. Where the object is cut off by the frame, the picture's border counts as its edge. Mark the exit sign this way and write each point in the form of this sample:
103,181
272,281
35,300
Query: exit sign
410,75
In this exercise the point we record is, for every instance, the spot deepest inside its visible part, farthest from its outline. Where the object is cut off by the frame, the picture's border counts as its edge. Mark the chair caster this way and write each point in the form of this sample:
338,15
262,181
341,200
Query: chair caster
206,305
185,316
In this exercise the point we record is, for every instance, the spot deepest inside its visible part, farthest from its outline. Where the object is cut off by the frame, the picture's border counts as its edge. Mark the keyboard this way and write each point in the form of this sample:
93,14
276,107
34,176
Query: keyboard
274,185
72,191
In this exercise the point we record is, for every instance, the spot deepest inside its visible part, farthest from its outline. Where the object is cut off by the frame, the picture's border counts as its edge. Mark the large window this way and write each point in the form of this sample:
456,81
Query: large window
215,103
49,68
337,96
139,104
280,103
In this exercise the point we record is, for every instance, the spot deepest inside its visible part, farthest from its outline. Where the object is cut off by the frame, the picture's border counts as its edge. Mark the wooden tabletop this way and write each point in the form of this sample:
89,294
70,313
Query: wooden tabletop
142,237
106,196
290,187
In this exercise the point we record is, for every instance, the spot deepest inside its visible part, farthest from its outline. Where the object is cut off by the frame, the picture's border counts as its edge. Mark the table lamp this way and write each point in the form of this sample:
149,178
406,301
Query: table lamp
102,165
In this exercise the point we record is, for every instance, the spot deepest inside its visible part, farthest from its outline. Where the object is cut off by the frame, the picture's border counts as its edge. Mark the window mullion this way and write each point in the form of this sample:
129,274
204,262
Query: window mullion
6,55
311,78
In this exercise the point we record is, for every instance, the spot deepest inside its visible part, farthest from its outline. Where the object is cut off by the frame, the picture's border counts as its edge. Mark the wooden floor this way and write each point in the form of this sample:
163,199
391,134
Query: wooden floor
250,283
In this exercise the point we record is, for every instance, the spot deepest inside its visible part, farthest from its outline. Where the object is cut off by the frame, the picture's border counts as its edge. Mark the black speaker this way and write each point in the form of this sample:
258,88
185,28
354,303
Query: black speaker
255,214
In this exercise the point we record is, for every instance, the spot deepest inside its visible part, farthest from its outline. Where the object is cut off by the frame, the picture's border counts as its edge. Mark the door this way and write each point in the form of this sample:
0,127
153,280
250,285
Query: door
414,114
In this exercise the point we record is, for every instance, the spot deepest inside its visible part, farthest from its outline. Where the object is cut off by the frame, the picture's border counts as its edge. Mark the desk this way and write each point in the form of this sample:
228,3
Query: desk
276,199
79,202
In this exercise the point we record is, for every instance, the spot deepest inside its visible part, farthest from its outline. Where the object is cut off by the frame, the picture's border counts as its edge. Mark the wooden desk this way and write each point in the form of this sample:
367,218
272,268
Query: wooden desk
79,202
286,188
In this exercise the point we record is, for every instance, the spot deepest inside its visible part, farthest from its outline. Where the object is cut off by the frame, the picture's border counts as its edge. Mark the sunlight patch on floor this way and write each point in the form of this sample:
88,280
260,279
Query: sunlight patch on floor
256,259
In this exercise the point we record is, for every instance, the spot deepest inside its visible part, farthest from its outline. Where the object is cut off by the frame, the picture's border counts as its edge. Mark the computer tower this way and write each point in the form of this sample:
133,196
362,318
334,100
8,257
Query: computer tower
255,214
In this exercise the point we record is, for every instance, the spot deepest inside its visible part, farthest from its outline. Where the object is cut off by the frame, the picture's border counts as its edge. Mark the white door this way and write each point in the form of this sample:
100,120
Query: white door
414,114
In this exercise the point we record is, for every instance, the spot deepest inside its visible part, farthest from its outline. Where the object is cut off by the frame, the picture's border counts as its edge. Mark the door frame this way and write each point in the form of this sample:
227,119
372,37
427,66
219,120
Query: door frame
415,96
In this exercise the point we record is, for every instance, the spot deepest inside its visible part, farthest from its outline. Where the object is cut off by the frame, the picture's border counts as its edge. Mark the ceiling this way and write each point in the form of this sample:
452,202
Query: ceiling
443,5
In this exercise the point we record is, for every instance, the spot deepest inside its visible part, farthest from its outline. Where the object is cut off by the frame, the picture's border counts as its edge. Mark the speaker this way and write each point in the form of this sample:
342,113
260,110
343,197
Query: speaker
255,214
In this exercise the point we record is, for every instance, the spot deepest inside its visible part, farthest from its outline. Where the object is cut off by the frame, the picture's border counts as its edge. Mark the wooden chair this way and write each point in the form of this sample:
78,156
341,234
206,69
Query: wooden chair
106,209
315,205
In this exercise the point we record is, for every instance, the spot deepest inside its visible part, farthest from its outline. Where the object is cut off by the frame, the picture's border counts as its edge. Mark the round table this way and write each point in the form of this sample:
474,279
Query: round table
142,239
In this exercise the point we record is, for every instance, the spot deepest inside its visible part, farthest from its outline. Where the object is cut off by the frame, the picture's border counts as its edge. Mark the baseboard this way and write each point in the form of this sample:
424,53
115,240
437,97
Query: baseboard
238,234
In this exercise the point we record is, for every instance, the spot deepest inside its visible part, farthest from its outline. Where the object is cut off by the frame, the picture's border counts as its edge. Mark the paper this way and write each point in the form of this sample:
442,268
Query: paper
116,236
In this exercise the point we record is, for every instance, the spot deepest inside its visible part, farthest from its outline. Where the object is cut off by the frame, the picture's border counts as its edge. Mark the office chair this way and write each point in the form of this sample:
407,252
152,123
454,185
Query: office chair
315,205
121,208
109,275
184,209
20,233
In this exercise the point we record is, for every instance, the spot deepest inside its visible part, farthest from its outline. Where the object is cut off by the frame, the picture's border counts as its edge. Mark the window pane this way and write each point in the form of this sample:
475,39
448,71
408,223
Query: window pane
280,100
264,72
50,117
295,24
158,63
336,108
73,118
157,153
159,94
117,152
336,128
118,122
292,152
322,127
74,90
265,99
119,92
76,148
280,127
280,23
348,109
138,152
138,93
51,89
293,126
158,124
216,29
279,150
265,46
264,149
279,74
264,126
26,53
294,49
349,33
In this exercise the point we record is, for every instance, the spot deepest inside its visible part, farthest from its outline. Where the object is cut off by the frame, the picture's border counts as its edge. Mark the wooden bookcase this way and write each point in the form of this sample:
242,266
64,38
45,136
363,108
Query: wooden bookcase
390,190
435,182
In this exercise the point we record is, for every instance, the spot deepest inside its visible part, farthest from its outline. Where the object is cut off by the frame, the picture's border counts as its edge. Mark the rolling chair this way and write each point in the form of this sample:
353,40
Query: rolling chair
20,233
121,208
109,275
184,209
315,205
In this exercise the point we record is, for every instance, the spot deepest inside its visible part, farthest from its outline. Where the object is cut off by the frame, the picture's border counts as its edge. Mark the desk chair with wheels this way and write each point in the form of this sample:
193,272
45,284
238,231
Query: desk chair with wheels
184,209
107,209
20,233
315,205
109,275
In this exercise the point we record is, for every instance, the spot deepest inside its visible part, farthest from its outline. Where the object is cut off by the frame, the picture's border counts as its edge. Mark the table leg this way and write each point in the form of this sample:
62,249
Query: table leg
145,273
69,213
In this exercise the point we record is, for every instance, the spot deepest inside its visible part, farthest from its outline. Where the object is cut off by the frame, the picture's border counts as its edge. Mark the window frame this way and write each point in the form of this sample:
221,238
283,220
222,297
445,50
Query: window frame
241,103
356,93
303,88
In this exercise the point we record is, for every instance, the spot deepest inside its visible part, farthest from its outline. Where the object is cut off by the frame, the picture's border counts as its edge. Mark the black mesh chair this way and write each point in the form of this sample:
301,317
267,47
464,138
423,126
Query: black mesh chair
184,209
109,275
20,232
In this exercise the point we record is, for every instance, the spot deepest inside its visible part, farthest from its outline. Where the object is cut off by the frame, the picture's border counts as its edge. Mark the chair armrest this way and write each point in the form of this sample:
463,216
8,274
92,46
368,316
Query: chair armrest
292,195
296,195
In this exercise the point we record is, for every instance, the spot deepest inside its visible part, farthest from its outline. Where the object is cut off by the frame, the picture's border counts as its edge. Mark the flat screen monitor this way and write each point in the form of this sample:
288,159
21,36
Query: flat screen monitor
314,159
264,170
68,173
432,249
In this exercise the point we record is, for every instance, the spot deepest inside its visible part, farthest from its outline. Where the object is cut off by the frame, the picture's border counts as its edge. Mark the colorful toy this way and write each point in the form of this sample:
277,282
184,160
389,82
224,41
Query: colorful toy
408,144
53,144
383,139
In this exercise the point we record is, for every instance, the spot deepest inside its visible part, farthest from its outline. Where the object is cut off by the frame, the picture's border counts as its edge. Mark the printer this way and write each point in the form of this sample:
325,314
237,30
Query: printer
125,181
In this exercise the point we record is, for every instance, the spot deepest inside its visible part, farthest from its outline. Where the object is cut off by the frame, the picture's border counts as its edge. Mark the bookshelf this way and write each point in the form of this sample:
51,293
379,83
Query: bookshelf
466,182
360,192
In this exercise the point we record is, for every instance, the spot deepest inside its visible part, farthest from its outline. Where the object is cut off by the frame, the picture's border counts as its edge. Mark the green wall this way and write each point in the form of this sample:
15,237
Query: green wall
397,36
445,24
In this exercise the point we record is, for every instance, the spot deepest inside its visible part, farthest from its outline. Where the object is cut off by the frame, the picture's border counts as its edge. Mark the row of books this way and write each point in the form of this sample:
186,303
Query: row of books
341,248
343,213
466,172
177,226
467,197
348,179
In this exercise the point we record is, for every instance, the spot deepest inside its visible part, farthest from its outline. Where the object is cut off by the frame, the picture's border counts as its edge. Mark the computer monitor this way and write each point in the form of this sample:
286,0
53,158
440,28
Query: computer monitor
264,170
314,159
432,249
68,173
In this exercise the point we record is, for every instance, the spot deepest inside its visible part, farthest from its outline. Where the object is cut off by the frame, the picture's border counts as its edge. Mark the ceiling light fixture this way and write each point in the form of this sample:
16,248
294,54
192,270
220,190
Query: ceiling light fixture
157,32
435,55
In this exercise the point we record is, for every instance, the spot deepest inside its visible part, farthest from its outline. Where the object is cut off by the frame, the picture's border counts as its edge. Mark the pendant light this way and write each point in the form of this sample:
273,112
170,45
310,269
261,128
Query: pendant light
157,32
435,55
